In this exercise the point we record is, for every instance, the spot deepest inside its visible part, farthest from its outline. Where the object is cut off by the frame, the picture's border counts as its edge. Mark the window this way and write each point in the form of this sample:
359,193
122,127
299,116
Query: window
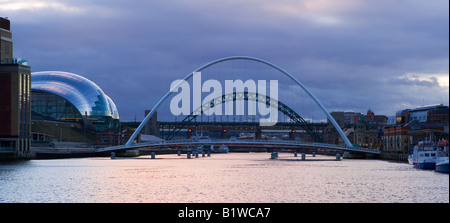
48,106
7,50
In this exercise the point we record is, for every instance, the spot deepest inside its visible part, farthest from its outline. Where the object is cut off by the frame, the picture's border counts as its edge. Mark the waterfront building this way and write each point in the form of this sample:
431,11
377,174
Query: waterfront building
114,138
15,93
409,126
6,42
351,117
152,126
362,130
368,130
70,98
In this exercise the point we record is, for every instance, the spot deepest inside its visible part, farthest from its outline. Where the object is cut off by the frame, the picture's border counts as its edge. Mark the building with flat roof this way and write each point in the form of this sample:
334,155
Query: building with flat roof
15,94
362,130
409,126
6,42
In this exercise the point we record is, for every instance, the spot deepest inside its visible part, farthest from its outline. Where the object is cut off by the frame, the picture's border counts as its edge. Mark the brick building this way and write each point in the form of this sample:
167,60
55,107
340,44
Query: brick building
362,130
15,94
409,126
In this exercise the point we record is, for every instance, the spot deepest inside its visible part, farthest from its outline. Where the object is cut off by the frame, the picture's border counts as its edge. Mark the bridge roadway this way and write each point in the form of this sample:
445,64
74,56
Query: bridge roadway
236,142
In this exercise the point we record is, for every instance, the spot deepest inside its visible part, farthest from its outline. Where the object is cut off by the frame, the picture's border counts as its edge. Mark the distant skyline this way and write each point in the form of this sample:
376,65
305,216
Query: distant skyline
354,55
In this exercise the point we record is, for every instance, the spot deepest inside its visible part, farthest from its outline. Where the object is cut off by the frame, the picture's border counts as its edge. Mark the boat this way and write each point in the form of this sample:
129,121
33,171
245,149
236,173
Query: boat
442,164
222,149
410,159
424,155
442,157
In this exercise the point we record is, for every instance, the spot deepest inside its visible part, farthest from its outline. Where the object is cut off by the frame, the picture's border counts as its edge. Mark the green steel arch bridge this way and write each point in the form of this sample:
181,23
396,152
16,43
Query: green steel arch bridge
247,96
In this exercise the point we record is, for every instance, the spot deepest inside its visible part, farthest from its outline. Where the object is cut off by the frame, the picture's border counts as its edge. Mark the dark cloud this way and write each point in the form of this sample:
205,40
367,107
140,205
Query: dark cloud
352,55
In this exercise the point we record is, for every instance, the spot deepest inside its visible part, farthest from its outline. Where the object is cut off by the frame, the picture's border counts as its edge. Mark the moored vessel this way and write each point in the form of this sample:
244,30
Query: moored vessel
223,149
442,157
424,155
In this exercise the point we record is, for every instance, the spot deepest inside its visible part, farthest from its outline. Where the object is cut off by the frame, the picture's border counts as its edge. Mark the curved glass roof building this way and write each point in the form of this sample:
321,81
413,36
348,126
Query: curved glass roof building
64,96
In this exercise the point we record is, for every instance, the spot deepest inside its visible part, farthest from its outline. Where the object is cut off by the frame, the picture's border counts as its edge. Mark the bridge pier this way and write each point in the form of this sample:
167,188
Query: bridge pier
273,155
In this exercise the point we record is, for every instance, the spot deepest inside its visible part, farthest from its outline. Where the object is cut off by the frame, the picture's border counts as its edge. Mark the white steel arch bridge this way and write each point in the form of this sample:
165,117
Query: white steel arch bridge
129,144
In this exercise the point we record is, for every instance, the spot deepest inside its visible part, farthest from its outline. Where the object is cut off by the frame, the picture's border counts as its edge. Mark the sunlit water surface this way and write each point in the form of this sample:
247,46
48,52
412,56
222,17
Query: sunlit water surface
233,177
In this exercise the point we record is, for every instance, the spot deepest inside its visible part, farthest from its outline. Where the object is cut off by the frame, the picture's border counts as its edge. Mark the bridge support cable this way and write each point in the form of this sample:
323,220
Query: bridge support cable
169,93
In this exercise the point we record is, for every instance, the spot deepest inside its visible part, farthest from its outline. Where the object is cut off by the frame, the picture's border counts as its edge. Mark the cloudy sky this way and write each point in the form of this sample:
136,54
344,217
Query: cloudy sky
385,55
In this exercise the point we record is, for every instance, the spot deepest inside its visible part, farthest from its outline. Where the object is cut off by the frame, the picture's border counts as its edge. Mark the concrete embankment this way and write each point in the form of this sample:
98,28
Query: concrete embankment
394,157
57,153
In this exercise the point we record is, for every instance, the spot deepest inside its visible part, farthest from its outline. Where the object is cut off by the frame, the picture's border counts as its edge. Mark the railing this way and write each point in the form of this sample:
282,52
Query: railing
239,141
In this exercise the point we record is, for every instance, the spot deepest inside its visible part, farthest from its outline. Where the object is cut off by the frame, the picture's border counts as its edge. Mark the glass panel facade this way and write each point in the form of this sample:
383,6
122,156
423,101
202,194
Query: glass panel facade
68,97
48,106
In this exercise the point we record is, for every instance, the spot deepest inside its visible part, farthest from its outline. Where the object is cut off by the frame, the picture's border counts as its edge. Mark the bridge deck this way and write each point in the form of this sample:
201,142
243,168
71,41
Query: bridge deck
290,143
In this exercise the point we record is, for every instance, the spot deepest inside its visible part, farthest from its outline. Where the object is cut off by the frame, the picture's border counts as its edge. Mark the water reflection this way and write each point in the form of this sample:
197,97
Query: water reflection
234,177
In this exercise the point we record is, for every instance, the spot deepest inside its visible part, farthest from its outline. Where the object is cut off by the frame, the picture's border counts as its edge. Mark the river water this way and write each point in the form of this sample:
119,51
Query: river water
221,178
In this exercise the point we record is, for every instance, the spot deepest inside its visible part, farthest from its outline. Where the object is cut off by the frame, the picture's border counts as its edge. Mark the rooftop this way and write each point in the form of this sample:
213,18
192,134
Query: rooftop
426,107
5,24
19,61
